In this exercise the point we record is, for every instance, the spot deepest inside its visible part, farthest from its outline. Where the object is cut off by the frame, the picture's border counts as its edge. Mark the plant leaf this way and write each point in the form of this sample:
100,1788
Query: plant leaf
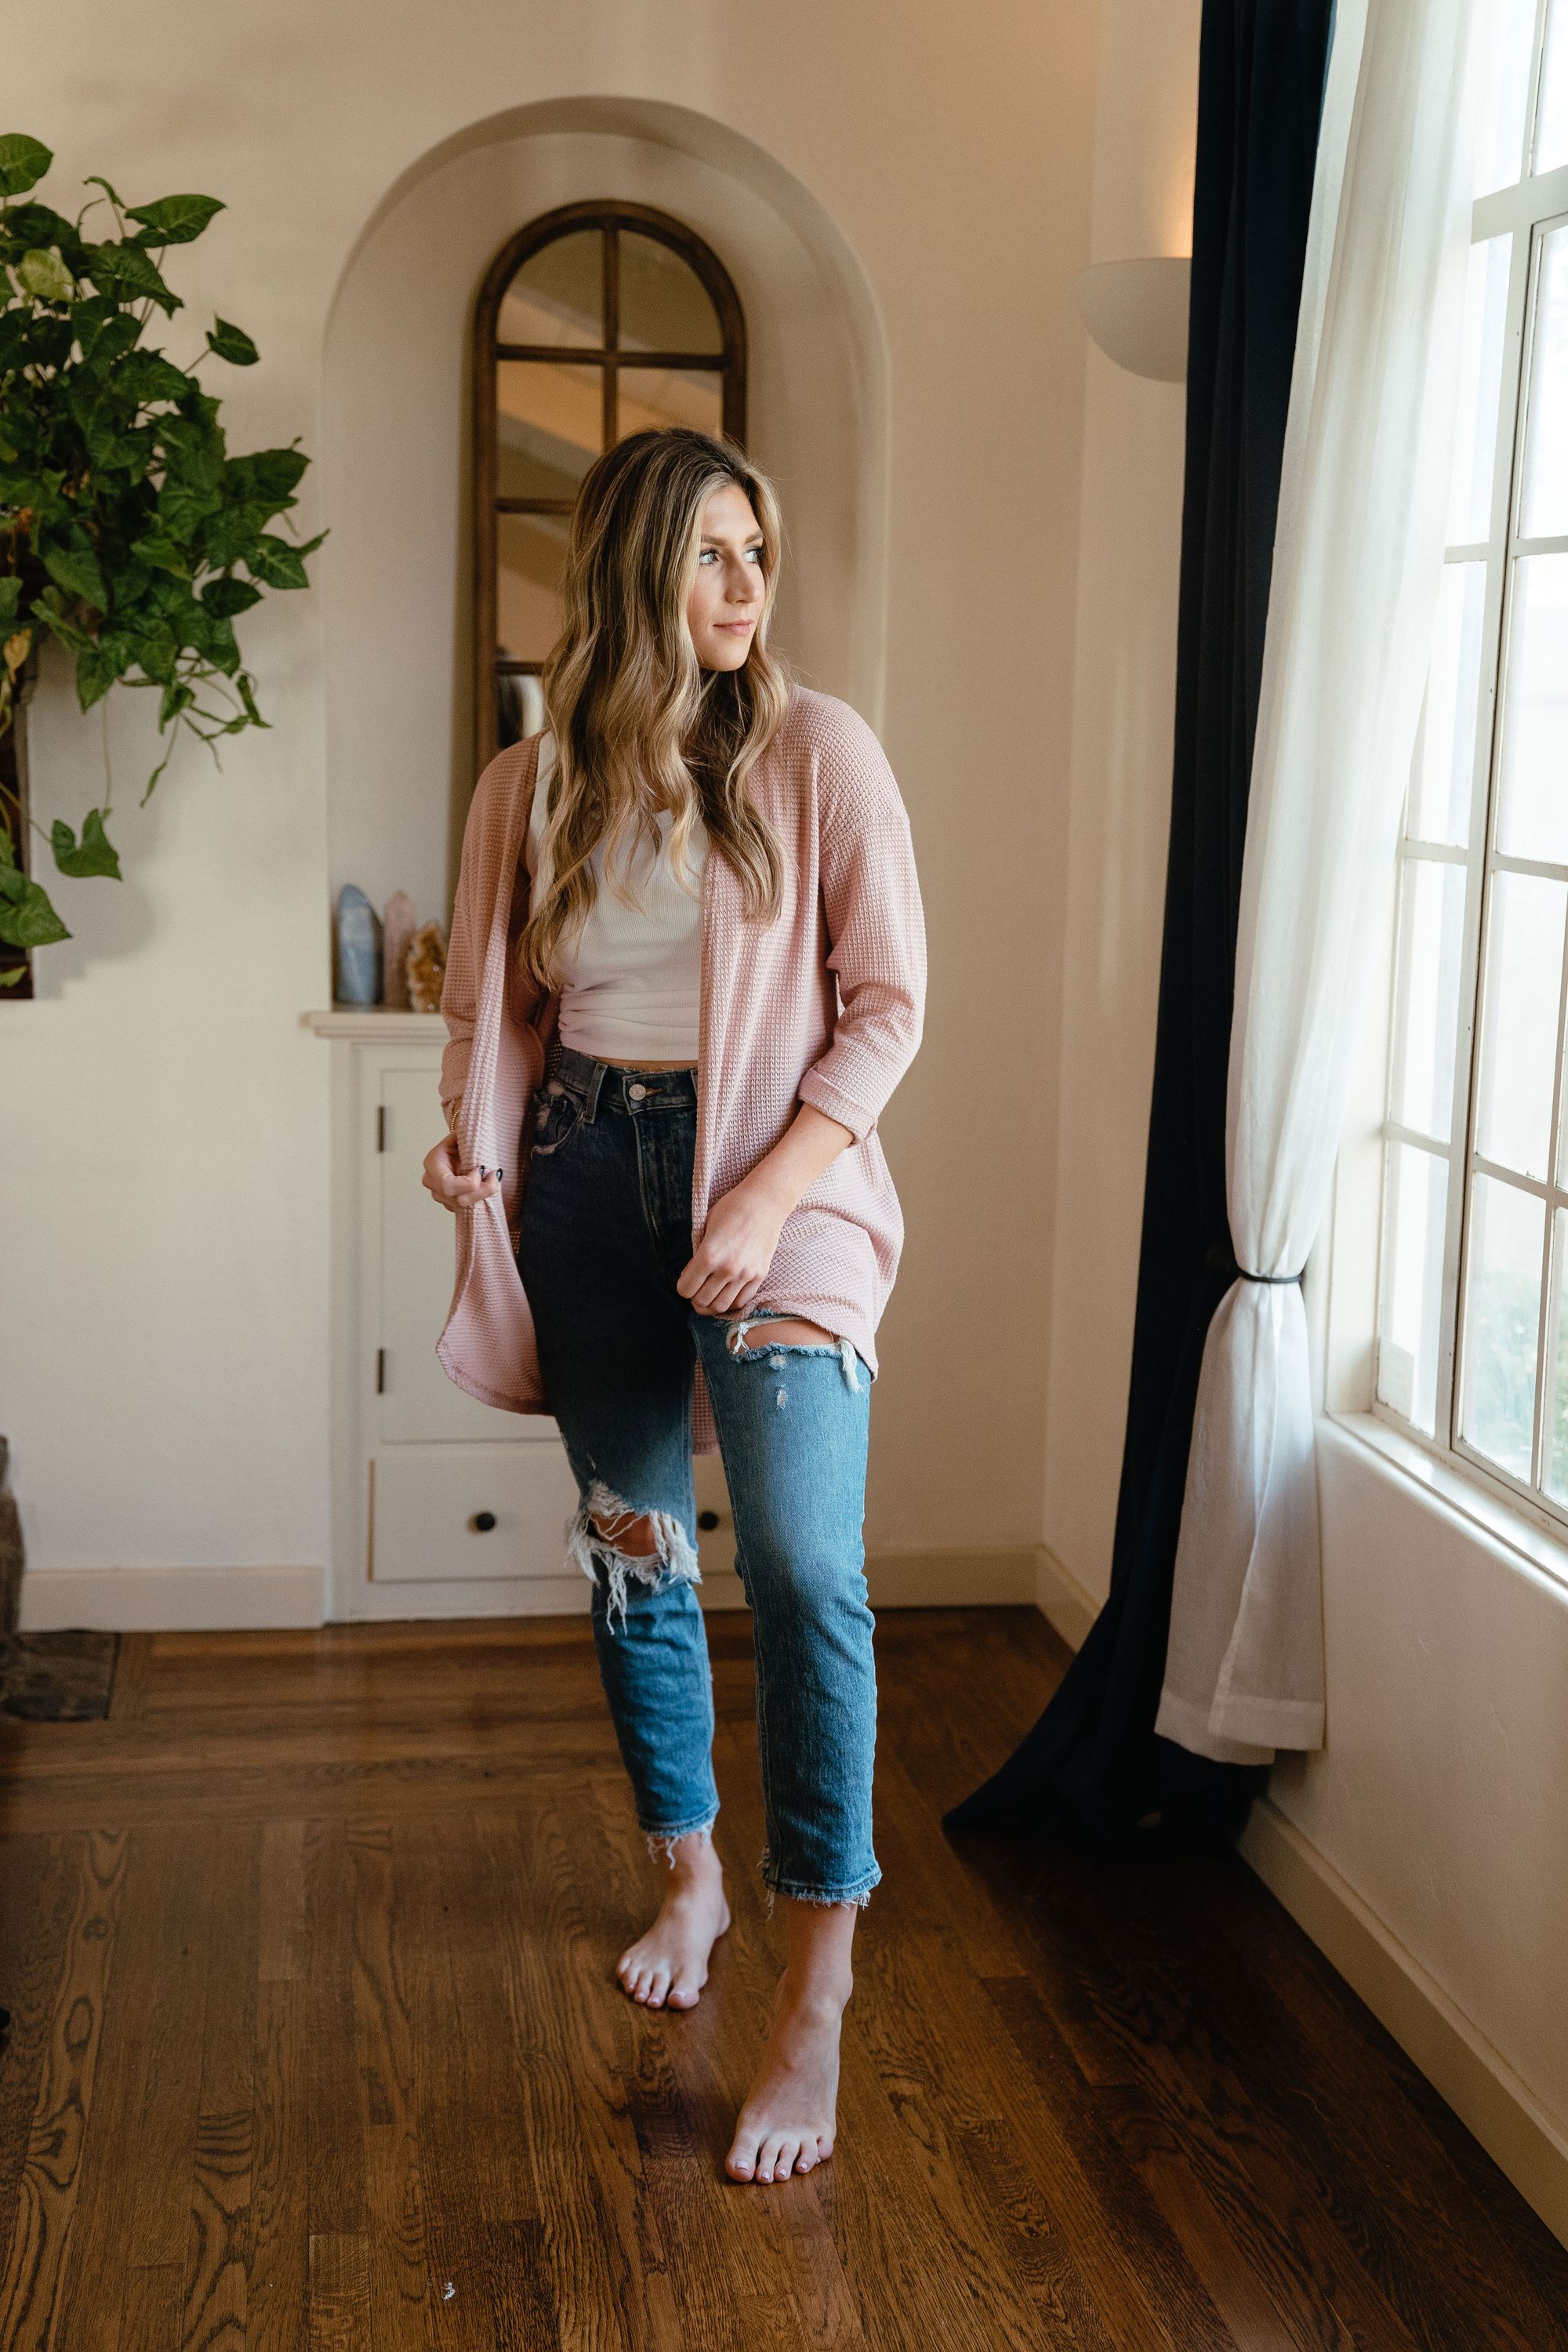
45,276
96,180
245,686
10,595
230,596
174,699
157,547
126,272
30,921
273,560
94,854
23,162
232,343
96,671
176,220
148,376
77,571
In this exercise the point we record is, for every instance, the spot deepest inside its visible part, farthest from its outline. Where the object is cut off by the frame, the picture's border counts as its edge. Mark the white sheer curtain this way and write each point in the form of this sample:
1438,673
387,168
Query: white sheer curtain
1357,564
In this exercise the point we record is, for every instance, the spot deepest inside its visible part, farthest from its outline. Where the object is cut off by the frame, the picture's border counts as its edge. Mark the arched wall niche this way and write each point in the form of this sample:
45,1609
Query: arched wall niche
396,457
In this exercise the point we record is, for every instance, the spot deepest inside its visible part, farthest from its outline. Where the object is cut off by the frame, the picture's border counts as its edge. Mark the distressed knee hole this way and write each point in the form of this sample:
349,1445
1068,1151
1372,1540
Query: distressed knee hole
627,1532
611,1538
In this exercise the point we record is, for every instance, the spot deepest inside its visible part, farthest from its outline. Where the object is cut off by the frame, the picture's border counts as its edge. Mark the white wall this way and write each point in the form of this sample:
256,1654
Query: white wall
165,1365
1428,1840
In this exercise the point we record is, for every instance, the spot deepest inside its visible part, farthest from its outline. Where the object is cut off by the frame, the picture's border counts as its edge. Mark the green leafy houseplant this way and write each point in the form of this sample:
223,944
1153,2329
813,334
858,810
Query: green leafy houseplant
127,531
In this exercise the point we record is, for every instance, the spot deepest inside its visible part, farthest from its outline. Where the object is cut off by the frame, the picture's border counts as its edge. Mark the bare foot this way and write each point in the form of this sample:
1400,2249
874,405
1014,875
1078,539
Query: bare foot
668,1965
787,2123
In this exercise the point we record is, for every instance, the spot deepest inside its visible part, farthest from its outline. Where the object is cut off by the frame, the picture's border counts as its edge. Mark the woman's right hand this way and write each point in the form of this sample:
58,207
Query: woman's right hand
457,1188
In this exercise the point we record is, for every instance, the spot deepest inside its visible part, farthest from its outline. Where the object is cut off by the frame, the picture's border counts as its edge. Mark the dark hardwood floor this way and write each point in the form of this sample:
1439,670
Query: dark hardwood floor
315,2044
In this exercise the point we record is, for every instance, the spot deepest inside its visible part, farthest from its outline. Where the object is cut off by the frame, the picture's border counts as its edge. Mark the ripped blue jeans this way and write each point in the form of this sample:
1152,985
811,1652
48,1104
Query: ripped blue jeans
606,1231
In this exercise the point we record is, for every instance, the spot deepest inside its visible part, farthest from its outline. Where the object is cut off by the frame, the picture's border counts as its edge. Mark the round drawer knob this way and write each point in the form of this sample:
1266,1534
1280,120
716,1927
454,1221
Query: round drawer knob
482,1522
707,1521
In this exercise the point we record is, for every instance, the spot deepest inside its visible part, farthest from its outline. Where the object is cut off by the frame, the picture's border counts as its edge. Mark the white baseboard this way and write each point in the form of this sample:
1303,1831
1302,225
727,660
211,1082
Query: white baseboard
1526,2142
170,1600
237,1599
1064,1603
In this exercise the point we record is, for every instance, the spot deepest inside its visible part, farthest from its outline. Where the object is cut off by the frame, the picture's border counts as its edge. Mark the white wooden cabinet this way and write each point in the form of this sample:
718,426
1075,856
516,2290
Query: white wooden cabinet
442,1506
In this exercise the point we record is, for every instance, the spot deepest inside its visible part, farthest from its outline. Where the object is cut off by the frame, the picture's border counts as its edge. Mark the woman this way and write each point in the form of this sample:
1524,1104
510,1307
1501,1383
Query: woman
688,963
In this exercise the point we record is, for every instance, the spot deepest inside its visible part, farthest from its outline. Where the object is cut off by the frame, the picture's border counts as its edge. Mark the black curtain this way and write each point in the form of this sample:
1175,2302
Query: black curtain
1092,1766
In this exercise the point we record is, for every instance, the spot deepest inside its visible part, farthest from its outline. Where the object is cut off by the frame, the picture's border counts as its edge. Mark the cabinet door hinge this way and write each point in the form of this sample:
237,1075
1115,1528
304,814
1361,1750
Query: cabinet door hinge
381,1127
381,1371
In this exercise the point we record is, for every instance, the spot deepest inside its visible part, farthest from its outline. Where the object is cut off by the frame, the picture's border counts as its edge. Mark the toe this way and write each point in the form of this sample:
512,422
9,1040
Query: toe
741,2164
768,2158
684,1996
788,2157
658,1985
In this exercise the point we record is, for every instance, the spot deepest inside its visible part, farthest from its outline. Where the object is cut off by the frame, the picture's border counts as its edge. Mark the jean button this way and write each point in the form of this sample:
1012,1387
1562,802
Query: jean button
636,1092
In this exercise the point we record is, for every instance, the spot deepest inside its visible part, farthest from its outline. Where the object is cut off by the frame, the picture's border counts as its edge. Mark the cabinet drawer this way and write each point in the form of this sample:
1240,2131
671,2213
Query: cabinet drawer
427,1502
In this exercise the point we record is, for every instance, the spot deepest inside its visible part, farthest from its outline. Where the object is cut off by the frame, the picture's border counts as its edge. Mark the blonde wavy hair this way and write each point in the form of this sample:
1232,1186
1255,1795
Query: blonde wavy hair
640,726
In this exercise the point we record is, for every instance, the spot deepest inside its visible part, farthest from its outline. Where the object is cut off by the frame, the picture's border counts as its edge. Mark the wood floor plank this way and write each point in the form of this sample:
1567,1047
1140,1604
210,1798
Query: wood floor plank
610,2264
37,1895
30,2284
393,2189
335,2116
339,2316
278,2283
113,2183
283,1926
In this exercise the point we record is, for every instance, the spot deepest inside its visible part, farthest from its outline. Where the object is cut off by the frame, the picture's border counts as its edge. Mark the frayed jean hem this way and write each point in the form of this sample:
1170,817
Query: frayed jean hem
661,1843
859,1892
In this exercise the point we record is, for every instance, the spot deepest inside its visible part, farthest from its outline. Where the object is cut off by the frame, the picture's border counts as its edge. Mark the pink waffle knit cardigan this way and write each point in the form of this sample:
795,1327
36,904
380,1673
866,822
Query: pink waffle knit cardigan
775,1032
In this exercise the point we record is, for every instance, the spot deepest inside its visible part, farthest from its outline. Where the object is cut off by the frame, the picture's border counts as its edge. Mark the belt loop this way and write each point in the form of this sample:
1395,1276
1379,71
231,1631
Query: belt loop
595,1082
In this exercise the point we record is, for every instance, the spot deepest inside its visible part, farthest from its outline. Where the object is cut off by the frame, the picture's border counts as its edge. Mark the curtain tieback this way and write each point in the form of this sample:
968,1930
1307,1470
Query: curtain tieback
1219,1259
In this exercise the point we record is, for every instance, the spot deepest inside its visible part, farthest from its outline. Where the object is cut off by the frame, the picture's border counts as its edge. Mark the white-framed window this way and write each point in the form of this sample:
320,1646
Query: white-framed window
1472,1323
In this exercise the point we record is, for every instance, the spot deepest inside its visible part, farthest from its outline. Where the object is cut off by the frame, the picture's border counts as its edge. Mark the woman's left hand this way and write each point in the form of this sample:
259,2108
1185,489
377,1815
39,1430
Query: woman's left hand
729,1265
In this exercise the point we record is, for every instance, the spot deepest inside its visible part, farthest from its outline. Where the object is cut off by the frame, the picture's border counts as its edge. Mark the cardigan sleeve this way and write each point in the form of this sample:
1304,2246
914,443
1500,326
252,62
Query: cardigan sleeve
876,926
471,915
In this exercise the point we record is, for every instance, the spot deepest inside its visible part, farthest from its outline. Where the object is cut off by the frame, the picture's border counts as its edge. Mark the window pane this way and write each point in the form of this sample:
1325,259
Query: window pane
1519,1036
1502,1324
557,297
1480,379
1534,819
1427,996
665,307
658,396
1556,1465
1444,786
1551,122
1415,1209
1543,511
531,551
549,427
1507,41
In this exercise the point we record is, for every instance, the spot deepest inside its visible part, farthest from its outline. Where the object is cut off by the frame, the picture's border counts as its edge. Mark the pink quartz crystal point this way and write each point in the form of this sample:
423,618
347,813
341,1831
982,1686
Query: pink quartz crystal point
398,924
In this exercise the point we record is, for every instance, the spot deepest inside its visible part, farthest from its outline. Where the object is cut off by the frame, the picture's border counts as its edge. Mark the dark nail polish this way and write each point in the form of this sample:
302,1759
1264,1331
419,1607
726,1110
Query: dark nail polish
500,1173
484,1174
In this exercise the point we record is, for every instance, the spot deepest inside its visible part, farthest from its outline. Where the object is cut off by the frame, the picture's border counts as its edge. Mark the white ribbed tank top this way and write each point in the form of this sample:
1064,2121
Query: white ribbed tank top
631,985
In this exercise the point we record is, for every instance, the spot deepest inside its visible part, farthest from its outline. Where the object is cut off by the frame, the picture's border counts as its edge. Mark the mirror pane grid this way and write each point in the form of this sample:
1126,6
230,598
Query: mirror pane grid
557,296
664,305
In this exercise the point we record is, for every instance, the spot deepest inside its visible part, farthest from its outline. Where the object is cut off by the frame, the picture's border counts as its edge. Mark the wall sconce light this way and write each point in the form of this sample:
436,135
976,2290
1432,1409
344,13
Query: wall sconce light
1137,313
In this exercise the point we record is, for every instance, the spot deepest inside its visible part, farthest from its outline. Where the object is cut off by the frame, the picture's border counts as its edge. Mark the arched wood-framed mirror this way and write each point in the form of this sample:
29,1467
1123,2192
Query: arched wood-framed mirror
596,320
